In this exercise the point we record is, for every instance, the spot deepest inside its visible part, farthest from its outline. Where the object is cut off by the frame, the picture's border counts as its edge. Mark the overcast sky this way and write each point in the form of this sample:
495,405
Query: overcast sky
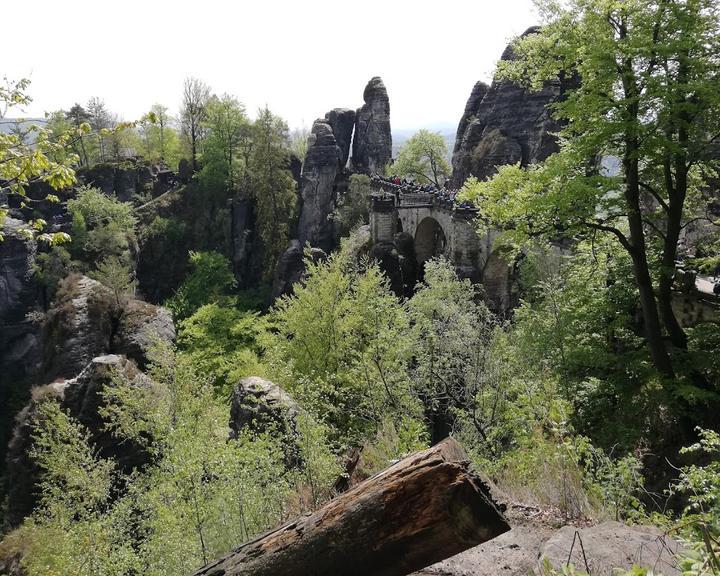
300,57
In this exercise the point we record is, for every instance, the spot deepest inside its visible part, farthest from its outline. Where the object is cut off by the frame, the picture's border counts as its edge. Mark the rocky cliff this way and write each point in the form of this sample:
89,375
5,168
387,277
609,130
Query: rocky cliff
505,123
326,171
323,164
372,144
82,398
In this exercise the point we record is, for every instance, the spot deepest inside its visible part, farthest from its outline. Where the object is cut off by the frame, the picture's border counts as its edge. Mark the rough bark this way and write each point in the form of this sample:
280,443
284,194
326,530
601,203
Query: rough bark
423,509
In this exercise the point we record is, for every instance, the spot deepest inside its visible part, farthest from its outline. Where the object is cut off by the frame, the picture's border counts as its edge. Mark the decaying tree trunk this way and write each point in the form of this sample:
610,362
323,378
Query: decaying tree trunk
423,509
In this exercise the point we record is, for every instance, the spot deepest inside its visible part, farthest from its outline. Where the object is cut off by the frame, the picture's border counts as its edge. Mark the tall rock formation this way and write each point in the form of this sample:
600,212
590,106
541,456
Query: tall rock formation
372,144
321,168
325,175
504,124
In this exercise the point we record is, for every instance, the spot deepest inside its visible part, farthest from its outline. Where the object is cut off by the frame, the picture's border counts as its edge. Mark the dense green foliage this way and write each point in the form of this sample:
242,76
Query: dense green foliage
200,496
354,205
273,186
341,346
579,400
648,96
102,226
209,280
424,159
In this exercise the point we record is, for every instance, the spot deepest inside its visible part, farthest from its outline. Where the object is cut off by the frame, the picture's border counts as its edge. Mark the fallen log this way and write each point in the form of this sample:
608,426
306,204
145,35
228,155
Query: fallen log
423,509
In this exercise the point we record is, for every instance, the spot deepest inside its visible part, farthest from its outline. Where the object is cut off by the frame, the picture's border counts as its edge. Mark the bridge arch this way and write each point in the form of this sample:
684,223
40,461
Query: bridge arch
430,240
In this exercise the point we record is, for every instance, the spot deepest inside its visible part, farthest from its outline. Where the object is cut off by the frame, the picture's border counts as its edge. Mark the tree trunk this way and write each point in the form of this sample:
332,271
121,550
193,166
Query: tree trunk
667,275
641,269
423,509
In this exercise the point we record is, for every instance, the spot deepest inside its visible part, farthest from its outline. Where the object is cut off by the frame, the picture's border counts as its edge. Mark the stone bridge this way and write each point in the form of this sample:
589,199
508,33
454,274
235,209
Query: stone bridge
439,226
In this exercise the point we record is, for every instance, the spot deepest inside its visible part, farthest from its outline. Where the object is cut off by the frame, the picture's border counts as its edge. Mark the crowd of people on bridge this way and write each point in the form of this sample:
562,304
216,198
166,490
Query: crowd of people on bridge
444,196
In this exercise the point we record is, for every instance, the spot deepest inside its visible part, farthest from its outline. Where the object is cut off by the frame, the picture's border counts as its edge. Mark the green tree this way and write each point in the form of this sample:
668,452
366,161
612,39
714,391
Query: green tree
343,338
192,115
77,116
101,120
354,205
101,227
649,95
453,370
116,275
210,280
223,343
424,158
229,134
162,123
46,159
272,185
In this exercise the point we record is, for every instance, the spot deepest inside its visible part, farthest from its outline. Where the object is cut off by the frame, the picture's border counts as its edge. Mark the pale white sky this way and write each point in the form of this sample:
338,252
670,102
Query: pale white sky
301,57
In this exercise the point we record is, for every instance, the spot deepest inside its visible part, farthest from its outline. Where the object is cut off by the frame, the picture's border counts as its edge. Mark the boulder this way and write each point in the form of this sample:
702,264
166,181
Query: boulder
526,547
318,195
504,124
372,143
259,406
142,326
514,553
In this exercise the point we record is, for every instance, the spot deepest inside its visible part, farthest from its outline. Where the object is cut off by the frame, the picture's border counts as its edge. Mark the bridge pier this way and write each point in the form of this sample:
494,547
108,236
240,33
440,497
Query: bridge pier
383,218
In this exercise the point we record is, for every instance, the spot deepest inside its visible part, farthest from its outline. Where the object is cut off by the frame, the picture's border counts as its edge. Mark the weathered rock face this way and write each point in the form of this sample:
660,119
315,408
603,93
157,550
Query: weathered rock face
291,267
18,296
342,122
247,248
139,328
77,328
258,406
322,167
20,353
85,321
478,93
505,124
372,144
397,260
82,398
128,178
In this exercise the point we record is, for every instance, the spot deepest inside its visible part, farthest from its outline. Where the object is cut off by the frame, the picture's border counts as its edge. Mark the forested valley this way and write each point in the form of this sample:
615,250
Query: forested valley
212,325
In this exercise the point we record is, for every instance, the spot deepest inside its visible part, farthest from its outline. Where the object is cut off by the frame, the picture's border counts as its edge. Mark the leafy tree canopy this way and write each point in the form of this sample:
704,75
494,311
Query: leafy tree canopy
424,158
